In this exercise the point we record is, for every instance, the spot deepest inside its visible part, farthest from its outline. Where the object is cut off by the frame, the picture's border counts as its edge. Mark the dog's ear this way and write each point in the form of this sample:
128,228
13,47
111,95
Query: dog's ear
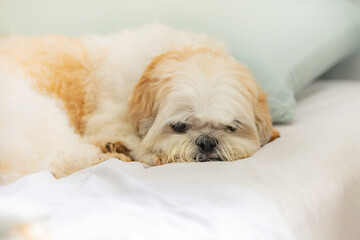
147,94
263,120
142,105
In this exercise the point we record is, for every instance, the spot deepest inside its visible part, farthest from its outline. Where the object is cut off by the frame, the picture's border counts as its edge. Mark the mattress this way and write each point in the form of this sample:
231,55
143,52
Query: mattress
304,185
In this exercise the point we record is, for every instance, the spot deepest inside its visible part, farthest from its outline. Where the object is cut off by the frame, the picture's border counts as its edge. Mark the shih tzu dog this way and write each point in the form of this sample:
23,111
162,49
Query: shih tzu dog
154,95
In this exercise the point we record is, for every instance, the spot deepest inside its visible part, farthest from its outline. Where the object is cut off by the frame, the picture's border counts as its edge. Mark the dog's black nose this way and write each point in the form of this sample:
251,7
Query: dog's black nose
206,143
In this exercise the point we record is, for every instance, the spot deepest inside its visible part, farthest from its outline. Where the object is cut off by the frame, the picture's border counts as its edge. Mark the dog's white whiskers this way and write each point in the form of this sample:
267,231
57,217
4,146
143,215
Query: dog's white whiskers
226,151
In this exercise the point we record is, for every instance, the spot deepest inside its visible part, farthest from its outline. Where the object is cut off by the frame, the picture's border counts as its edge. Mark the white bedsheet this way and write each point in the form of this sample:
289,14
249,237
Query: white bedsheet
305,185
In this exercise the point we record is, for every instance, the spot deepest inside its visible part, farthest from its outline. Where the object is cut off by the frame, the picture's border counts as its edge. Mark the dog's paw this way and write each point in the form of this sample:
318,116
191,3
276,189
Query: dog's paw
120,156
148,158
114,150
157,160
114,147
275,134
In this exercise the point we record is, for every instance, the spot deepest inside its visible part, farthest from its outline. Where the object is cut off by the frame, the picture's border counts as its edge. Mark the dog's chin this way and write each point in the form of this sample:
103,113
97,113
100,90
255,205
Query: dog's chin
195,157
207,157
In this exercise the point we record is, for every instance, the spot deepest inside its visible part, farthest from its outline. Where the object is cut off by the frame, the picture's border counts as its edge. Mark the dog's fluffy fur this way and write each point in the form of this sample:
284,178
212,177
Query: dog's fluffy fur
156,90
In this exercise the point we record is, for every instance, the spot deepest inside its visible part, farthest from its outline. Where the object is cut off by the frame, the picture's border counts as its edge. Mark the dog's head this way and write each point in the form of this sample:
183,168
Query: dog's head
198,104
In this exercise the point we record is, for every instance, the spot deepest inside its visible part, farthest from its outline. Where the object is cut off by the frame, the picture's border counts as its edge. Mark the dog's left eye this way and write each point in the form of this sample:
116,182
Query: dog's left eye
179,127
231,128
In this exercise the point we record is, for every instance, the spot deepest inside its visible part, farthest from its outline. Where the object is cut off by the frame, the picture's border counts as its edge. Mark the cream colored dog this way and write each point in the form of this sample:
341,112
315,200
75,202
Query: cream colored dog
168,96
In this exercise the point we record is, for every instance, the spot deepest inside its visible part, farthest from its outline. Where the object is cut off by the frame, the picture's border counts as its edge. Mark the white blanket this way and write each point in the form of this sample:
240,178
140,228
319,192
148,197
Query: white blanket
305,185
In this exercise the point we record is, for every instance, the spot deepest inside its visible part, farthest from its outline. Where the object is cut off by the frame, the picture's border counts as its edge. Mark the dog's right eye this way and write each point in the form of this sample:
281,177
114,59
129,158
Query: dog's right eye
179,127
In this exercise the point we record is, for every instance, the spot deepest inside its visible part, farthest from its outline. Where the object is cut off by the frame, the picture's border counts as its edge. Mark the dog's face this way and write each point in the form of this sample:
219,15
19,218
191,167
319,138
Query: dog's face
198,104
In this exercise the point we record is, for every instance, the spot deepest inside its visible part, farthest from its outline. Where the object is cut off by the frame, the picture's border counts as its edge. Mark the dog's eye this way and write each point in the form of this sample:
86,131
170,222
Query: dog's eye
234,127
179,127
231,128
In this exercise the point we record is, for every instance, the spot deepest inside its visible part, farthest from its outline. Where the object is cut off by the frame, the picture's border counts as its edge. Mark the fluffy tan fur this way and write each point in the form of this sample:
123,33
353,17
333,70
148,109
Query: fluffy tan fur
57,66
70,103
153,88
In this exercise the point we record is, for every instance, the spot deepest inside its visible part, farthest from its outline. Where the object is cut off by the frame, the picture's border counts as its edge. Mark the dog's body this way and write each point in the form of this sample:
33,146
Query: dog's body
66,103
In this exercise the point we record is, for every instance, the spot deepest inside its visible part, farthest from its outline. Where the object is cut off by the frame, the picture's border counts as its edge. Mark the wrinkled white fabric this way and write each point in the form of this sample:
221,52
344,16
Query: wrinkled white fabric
304,185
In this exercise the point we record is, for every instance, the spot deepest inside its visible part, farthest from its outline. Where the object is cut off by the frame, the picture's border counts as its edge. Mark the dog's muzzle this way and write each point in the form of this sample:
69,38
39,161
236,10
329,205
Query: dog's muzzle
207,145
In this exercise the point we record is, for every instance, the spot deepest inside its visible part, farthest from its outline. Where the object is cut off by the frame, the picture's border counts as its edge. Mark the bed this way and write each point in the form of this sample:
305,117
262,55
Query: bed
304,185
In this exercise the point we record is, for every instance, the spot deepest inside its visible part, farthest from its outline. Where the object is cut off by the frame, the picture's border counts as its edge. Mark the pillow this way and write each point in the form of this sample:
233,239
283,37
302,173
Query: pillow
285,43
347,69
